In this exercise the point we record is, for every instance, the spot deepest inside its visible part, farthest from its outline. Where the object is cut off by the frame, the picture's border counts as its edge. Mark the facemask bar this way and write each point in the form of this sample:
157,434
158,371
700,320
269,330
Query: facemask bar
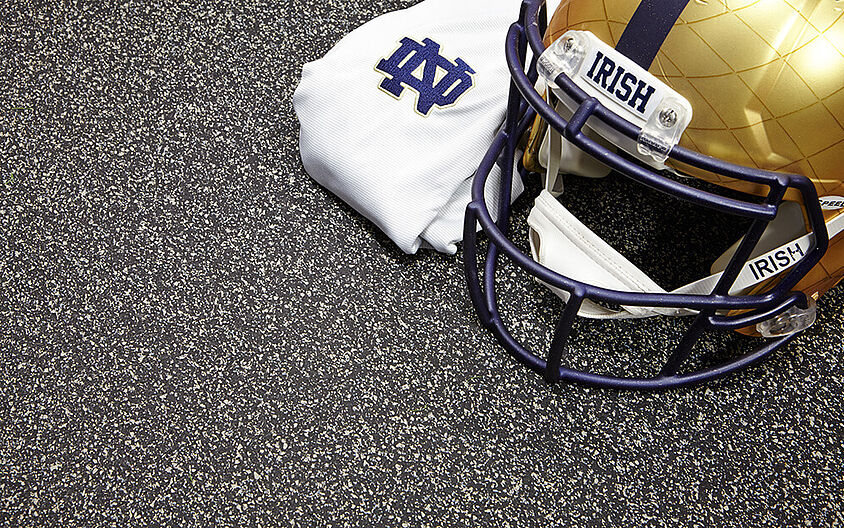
524,103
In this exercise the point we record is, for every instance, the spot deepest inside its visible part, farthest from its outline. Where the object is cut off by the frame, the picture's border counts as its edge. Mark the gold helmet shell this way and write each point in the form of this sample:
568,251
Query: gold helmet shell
766,81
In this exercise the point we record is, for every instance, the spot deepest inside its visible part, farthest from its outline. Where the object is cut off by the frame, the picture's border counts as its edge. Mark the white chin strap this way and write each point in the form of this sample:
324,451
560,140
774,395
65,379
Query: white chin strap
561,243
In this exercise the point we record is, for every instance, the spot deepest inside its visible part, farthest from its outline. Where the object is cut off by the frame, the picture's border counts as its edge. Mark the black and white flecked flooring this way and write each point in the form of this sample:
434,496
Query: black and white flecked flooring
193,333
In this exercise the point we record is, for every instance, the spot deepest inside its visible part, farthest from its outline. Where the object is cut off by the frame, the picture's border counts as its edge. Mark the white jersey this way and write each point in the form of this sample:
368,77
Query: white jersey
397,116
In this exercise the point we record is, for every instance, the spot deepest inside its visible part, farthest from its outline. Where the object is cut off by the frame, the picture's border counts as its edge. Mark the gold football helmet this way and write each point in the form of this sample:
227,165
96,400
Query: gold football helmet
747,95
766,81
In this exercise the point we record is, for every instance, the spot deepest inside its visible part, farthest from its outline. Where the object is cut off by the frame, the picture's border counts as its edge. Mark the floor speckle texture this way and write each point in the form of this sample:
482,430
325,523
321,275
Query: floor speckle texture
194,333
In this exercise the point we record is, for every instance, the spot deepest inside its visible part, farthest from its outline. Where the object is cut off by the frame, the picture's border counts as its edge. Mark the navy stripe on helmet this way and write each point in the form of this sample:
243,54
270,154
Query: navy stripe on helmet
648,28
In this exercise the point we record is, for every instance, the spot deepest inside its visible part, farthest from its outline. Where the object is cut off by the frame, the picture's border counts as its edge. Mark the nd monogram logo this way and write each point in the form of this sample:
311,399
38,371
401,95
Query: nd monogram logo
420,67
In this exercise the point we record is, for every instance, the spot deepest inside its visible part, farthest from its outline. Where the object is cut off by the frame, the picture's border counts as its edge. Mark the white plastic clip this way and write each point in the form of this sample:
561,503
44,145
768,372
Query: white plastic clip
791,321
565,55
663,130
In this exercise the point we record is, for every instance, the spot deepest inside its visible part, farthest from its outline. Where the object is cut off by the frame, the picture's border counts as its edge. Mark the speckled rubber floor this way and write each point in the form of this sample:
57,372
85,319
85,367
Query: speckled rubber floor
192,332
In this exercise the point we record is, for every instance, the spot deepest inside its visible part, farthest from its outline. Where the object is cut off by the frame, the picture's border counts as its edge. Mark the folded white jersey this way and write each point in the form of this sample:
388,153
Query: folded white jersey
397,116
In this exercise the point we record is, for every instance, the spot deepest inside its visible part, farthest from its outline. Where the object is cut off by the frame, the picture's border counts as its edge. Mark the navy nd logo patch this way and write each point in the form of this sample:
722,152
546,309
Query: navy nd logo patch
436,80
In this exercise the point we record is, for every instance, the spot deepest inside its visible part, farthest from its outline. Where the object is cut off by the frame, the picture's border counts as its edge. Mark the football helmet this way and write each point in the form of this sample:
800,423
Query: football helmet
735,106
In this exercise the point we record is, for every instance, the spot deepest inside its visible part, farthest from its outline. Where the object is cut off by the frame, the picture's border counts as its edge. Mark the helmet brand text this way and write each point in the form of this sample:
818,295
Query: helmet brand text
832,203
